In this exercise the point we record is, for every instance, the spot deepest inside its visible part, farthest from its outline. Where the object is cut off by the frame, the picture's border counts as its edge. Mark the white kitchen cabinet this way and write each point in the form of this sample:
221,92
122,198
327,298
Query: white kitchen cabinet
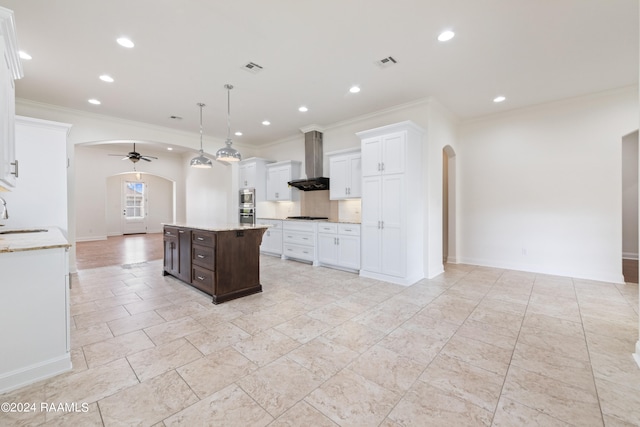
392,203
339,245
278,176
385,154
253,174
299,240
34,300
272,238
345,172
10,70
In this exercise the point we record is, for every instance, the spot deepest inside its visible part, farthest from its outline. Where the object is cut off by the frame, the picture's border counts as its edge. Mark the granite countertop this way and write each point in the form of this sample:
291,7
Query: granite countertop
314,220
31,241
218,227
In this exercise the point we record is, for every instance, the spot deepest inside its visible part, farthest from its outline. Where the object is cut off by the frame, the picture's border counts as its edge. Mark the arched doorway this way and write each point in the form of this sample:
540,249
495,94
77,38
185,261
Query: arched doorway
448,205
138,203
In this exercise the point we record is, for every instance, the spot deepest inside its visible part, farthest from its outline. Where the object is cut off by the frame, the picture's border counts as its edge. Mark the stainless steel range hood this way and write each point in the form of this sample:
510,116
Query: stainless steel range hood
312,164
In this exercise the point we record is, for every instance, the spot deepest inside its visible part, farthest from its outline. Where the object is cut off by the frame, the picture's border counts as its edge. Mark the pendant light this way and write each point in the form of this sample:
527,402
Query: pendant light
201,161
228,153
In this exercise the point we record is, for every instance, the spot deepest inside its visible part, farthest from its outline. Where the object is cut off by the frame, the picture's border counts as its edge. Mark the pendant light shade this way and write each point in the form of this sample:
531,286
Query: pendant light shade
228,153
201,161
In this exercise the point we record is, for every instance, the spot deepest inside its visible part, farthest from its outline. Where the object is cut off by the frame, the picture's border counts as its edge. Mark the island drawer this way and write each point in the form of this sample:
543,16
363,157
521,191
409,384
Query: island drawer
204,256
204,238
203,279
170,231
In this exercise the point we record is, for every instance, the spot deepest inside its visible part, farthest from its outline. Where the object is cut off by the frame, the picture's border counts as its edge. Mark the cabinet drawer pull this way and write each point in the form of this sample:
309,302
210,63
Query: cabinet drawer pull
305,238
181,231
200,278
200,238
305,252
15,172
200,256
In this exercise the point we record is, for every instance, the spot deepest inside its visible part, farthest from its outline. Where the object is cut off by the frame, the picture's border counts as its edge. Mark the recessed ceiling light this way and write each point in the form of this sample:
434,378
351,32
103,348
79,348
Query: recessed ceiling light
94,102
499,99
303,109
266,122
125,42
170,148
445,36
24,55
106,78
238,133
354,89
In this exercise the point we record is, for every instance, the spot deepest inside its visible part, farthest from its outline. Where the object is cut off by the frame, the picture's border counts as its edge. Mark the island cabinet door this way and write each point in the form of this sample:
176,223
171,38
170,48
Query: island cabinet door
171,251
184,257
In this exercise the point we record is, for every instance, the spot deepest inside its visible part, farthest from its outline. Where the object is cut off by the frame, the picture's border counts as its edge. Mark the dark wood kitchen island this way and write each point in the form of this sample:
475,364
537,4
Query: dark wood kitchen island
223,261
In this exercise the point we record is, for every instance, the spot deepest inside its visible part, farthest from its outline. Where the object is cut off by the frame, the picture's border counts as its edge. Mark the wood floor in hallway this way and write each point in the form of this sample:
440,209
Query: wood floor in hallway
119,250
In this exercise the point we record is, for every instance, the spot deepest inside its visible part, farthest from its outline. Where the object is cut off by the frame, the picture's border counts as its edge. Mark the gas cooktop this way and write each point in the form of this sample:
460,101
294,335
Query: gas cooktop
310,218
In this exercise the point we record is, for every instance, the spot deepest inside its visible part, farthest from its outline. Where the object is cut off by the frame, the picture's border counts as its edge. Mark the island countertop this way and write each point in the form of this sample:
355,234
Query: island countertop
217,227
17,240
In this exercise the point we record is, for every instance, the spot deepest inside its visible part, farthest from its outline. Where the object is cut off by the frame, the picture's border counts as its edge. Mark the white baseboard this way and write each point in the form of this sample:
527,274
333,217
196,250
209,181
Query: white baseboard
34,373
391,279
90,238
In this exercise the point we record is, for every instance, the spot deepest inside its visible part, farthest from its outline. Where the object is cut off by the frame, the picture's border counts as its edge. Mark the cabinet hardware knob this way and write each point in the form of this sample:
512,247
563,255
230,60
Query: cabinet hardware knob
15,172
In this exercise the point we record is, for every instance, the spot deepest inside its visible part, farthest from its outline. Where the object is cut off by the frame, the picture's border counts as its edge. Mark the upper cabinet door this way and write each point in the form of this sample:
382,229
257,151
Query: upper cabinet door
338,169
393,153
372,156
10,70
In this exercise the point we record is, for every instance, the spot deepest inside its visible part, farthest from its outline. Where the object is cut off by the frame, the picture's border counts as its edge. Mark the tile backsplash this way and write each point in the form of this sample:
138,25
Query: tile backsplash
313,203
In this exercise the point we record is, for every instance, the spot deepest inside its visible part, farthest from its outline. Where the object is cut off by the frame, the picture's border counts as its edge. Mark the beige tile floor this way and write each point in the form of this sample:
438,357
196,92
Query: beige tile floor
320,347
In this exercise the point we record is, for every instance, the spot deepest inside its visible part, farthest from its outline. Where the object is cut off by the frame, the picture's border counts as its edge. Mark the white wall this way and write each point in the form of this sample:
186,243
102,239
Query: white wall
208,194
540,188
630,196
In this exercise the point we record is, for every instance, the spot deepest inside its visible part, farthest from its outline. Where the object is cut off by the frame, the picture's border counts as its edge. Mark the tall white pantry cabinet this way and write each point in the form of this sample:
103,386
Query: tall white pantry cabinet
392,203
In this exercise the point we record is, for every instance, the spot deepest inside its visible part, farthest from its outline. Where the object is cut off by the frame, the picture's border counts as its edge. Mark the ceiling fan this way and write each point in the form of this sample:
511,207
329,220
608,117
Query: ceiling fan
134,156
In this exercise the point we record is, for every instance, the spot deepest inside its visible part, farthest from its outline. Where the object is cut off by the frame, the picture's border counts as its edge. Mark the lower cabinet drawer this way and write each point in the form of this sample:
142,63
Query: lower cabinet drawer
203,238
300,252
299,237
203,279
203,256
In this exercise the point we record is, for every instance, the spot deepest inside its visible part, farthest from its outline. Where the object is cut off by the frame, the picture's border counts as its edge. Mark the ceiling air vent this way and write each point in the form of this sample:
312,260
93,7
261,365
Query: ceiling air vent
252,67
386,62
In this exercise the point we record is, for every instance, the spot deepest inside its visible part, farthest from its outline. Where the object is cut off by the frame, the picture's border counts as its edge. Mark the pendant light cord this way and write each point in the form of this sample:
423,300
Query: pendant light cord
200,104
229,87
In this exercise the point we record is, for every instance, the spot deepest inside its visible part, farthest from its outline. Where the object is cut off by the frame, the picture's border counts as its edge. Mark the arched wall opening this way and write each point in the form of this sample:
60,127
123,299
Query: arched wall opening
159,203
630,207
448,205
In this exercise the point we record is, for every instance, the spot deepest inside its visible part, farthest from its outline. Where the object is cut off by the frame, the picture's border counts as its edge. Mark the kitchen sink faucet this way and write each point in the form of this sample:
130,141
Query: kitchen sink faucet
5,214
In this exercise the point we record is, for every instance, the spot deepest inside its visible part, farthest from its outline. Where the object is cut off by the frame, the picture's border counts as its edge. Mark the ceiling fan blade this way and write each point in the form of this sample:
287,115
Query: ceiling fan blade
144,158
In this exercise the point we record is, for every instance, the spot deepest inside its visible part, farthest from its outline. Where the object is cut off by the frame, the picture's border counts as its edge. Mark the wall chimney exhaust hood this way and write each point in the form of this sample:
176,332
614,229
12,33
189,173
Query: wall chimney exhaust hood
312,163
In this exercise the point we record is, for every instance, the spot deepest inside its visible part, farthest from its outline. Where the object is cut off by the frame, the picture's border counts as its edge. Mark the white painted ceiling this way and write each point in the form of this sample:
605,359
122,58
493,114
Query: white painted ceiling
531,51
